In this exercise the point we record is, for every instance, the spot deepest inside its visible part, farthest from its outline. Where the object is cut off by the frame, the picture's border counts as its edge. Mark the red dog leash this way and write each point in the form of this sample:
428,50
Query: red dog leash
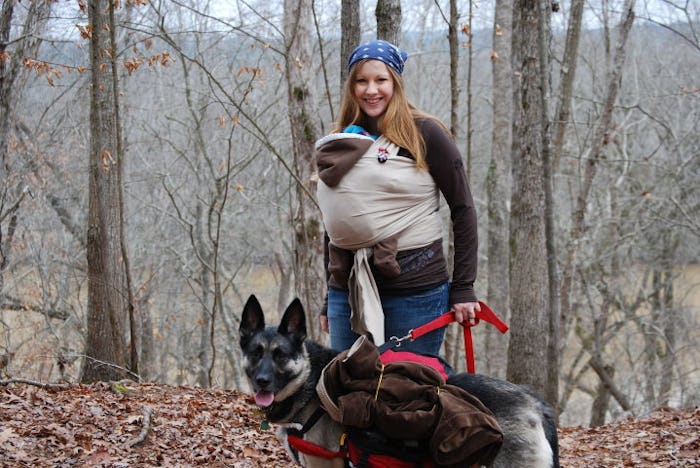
485,314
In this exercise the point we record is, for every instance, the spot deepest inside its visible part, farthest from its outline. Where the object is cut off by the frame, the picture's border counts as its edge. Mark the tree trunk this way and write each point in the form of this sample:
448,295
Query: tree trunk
498,184
388,14
204,356
599,408
10,200
551,392
665,315
470,127
453,40
108,297
13,73
606,379
566,82
349,34
308,227
453,333
146,344
529,276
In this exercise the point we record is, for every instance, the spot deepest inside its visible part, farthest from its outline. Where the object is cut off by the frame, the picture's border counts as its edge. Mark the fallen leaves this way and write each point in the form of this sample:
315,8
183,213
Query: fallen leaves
667,437
93,425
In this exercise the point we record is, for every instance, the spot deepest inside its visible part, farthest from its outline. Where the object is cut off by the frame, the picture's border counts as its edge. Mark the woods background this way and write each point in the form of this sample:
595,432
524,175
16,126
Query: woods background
578,122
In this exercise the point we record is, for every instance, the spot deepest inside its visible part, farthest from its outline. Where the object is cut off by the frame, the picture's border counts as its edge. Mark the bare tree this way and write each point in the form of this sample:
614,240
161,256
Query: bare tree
388,14
308,227
453,336
499,182
13,75
453,40
529,276
467,29
566,83
552,155
601,139
551,391
108,292
349,34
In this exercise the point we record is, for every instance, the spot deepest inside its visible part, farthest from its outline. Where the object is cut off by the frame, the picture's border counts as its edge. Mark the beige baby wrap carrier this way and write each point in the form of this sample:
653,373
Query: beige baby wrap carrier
367,193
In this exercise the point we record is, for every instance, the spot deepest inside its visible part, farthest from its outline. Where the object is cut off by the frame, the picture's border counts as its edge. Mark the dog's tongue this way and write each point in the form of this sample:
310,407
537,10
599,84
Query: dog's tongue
264,399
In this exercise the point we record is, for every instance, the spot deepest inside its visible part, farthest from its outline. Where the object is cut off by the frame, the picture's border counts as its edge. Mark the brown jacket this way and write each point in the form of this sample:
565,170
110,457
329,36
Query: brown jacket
407,400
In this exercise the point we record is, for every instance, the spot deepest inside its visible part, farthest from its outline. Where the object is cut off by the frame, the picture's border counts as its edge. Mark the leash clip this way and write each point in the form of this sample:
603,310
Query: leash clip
396,341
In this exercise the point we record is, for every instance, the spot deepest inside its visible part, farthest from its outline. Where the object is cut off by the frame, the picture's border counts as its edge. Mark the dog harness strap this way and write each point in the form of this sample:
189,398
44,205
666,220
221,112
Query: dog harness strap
295,438
485,314
308,448
313,419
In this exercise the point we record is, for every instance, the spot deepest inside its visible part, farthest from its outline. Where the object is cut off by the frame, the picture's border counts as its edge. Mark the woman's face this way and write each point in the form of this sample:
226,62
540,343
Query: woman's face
374,88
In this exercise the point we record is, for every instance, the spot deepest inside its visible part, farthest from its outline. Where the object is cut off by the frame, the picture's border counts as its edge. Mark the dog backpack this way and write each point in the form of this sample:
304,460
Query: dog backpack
399,412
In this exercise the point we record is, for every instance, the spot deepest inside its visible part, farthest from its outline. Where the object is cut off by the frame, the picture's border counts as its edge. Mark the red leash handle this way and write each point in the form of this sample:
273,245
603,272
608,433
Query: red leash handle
485,314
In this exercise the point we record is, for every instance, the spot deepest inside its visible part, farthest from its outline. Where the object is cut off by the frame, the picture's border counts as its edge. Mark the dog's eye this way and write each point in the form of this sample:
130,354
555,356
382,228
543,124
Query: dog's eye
257,352
279,355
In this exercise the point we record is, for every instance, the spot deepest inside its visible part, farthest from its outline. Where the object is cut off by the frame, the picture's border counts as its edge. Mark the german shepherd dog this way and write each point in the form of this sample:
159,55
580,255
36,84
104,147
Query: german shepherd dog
283,368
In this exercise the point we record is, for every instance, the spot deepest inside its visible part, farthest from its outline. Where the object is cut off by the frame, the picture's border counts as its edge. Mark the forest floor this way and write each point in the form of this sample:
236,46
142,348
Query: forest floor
139,425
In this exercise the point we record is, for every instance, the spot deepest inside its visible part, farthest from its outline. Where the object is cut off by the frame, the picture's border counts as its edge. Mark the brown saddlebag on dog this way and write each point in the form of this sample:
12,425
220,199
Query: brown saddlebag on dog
408,401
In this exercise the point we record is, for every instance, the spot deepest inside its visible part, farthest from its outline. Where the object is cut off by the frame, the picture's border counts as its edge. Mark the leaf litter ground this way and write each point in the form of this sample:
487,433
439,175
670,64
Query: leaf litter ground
108,425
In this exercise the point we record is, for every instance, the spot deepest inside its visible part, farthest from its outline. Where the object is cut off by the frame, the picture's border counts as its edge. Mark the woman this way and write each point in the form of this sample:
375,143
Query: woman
380,172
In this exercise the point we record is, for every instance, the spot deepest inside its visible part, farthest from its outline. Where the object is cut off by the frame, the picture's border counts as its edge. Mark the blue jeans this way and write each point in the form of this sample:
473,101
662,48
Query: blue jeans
401,314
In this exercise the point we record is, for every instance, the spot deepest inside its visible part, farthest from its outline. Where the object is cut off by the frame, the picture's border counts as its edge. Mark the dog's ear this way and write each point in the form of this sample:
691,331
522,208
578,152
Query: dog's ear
252,319
294,321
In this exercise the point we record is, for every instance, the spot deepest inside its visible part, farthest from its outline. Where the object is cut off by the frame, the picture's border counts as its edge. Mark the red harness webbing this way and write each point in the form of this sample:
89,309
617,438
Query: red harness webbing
485,314
309,448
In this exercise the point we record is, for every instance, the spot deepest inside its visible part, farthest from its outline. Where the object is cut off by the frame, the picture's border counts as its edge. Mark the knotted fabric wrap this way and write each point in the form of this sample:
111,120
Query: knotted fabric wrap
370,202
367,315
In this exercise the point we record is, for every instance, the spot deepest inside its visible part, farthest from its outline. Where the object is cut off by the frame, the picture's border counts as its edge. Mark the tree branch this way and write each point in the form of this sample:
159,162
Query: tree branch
17,306
599,369
46,386
145,427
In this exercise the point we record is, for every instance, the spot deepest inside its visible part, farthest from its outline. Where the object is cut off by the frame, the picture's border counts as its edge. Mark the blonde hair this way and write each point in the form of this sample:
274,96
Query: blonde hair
399,123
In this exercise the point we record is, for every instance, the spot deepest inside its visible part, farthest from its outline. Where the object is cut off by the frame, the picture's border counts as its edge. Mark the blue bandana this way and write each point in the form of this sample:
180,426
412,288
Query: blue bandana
379,50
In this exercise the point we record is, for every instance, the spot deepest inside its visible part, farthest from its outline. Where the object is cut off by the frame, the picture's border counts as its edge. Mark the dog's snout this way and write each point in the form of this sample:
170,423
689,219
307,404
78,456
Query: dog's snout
263,382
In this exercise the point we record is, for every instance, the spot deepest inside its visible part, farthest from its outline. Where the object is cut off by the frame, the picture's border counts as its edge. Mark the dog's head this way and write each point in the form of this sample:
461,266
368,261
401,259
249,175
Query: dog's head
275,359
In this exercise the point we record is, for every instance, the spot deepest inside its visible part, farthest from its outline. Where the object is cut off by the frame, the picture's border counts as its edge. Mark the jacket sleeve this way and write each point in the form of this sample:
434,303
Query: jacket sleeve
447,168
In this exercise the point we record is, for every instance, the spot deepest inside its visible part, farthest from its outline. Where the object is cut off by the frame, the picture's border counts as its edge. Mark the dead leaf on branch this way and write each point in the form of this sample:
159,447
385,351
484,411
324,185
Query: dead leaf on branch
255,71
42,68
85,31
107,160
163,59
